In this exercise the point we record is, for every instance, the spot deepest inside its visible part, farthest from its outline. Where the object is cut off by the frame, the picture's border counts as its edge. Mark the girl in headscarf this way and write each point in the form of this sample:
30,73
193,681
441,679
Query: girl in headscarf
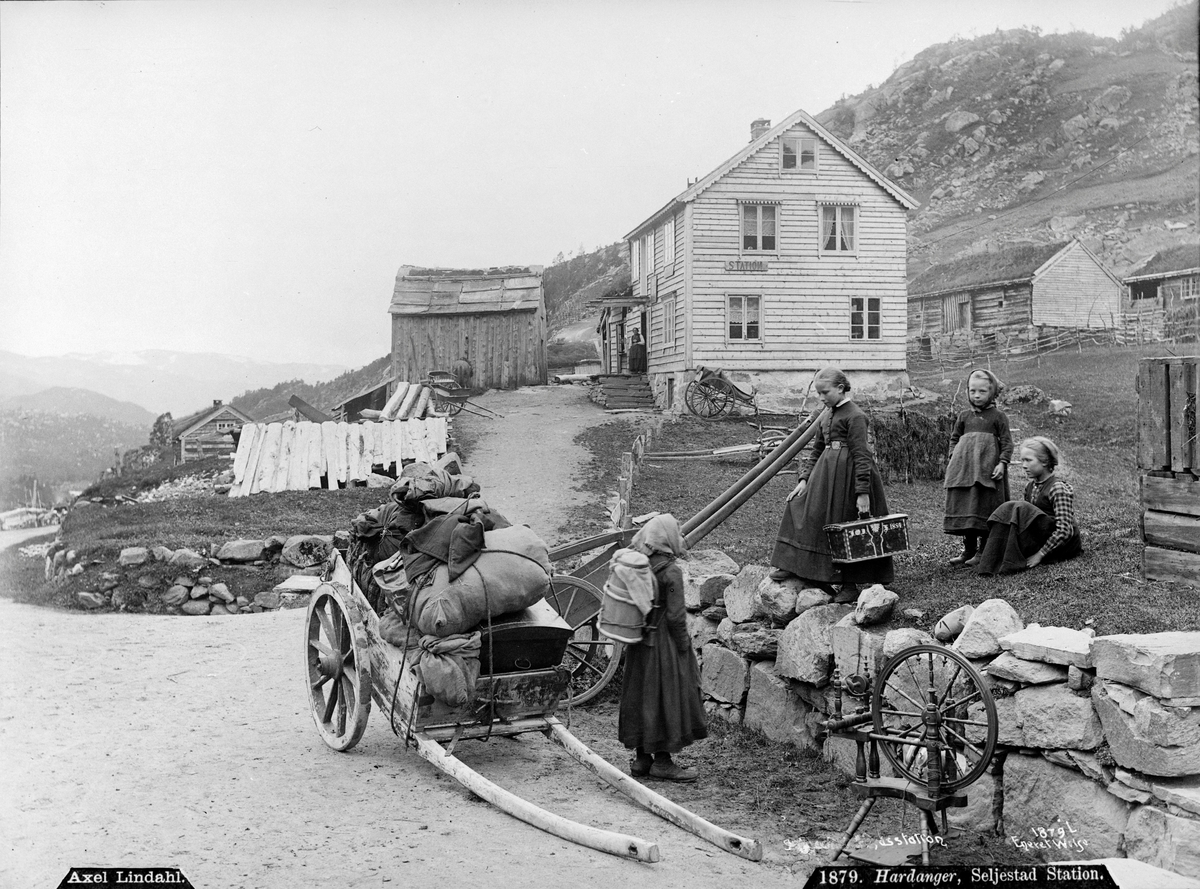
977,475
661,708
1039,528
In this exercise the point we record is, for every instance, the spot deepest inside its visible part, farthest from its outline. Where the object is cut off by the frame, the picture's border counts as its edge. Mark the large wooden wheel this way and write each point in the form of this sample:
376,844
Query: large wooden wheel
592,658
710,398
444,405
338,666
927,698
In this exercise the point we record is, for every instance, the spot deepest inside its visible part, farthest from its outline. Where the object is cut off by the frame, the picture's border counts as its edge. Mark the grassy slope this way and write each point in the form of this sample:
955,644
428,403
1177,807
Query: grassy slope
1102,588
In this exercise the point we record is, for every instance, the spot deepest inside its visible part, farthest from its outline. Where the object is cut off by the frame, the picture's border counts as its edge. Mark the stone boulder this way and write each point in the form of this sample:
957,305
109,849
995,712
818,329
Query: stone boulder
1041,795
1144,735
991,620
856,650
1055,718
960,120
742,602
811,597
778,599
1112,99
161,553
132,555
775,710
188,559
242,551
91,600
196,607
806,647
700,629
221,592
874,605
952,623
176,595
1008,666
725,675
700,567
306,550
1166,665
755,640
1164,840
1051,645
268,600
897,640
725,632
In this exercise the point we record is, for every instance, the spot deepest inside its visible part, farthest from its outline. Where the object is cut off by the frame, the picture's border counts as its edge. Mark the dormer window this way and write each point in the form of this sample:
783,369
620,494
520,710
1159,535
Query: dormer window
758,228
799,154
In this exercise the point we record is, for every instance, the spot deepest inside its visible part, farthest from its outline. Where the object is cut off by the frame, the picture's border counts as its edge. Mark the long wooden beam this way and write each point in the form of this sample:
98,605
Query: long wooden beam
618,844
656,803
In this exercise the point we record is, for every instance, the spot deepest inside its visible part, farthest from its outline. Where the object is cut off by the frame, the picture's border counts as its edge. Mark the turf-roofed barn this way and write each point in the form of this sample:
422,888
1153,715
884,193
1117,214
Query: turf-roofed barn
495,318
1011,294
1164,294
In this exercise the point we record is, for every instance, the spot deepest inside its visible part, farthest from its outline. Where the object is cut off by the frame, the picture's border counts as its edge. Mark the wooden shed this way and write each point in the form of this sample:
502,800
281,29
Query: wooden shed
1169,468
208,432
1013,293
494,318
1162,298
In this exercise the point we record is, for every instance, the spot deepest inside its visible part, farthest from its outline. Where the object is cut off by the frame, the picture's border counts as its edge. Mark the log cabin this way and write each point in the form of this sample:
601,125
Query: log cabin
787,257
493,318
208,432
1162,297
1012,294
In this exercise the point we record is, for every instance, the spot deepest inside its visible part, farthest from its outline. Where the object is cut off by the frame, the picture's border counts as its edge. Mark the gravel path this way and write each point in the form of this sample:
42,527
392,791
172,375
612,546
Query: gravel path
131,740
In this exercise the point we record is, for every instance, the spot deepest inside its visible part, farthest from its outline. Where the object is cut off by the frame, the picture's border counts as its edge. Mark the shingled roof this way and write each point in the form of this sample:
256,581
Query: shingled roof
1011,266
1177,260
436,291
197,419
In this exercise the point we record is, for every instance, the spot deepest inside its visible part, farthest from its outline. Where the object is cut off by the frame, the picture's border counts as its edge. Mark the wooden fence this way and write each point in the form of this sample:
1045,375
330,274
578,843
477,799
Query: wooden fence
299,456
1169,467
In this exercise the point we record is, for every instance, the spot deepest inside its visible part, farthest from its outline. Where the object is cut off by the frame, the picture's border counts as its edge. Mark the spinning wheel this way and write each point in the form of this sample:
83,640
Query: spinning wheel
709,398
926,695
935,721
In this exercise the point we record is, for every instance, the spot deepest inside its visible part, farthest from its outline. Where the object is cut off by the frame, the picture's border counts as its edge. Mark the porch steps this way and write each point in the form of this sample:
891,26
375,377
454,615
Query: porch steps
625,392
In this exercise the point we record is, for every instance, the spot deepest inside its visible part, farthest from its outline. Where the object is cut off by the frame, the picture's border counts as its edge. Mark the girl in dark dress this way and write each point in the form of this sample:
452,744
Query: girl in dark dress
838,482
637,353
1041,528
661,708
977,474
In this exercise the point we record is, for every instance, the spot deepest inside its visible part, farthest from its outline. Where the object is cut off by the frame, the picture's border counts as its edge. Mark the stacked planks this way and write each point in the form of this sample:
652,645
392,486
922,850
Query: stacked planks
410,401
298,456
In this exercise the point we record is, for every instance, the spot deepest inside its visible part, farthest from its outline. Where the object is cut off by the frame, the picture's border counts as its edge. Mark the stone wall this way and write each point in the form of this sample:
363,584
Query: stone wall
1099,737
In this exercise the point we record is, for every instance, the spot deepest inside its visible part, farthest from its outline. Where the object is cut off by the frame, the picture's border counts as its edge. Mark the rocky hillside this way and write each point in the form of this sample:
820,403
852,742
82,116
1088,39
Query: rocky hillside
570,285
1022,137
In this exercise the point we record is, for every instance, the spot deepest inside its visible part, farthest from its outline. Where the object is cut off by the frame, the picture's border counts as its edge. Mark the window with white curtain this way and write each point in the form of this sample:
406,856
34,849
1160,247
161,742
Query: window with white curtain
743,315
839,224
758,228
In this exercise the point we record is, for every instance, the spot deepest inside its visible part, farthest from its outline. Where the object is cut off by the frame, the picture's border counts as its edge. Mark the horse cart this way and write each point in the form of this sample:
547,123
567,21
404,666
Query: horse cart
349,666
712,394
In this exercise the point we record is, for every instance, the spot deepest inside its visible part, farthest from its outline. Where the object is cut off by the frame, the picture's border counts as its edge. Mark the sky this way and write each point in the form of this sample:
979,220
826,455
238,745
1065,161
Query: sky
247,177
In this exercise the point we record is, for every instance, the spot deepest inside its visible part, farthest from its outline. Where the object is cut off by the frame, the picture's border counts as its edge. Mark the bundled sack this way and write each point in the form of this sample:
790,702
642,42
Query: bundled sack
394,630
511,573
420,481
375,535
449,667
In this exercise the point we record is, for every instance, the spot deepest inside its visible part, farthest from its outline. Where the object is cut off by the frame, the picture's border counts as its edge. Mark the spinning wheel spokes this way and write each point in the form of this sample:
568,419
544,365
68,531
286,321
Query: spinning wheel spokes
932,704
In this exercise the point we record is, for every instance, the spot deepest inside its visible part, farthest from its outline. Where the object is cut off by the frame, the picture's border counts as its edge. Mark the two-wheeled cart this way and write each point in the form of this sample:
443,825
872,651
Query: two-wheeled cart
349,665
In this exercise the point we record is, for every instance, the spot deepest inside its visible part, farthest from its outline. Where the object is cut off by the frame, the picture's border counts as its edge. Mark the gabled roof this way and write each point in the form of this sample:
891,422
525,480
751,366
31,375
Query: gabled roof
1181,260
704,182
380,383
1012,266
433,291
184,425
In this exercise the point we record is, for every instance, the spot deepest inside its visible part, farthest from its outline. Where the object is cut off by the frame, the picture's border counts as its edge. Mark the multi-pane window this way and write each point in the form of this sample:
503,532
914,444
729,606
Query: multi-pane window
744,314
758,227
669,241
864,317
799,153
1189,288
668,323
635,258
838,225
648,252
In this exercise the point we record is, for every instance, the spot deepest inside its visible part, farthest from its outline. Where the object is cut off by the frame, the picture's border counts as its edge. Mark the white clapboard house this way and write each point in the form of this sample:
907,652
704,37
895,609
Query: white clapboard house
787,257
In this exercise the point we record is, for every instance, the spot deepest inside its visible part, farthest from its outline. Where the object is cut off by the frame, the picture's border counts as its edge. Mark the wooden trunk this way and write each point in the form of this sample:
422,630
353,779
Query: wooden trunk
870,538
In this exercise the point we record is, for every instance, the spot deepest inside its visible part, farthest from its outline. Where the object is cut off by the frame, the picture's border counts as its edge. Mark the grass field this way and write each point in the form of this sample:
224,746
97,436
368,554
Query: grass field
1101,589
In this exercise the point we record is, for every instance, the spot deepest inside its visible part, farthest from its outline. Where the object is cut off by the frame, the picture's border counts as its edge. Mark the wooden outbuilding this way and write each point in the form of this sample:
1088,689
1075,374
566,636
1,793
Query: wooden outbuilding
787,257
1013,294
372,397
208,432
1162,298
493,318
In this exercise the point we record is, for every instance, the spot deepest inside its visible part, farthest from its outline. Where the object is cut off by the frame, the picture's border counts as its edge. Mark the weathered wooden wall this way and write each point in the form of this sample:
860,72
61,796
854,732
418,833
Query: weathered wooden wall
211,439
1169,462
991,309
506,349
1076,292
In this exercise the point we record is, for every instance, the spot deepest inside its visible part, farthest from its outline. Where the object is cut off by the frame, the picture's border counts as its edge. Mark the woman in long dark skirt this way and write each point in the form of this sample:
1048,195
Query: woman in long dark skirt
661,708
838,482
1040,528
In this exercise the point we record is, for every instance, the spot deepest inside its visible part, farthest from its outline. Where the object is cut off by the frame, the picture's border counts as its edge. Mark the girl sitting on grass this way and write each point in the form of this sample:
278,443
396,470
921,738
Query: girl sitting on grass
977,476
1039,529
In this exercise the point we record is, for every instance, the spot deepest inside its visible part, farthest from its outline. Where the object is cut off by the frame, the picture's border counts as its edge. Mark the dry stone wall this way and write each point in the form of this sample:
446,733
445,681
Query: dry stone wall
1099,737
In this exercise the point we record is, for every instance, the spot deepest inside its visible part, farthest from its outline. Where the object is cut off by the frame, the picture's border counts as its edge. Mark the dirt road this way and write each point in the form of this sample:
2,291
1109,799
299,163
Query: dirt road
130,740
